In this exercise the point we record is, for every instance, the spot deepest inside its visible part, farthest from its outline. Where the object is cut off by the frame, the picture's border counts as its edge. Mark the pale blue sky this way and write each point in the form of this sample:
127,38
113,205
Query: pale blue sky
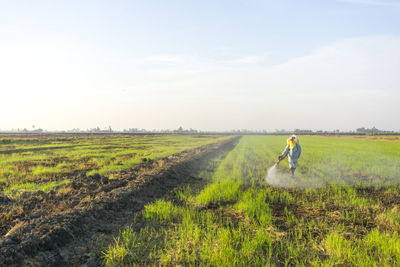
210,65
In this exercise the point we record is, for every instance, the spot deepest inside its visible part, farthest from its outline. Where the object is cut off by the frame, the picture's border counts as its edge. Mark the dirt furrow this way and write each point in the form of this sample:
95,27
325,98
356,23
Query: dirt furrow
63,229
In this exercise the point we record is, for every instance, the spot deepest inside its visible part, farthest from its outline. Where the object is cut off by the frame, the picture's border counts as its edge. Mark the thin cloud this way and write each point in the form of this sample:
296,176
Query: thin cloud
373,2
165,58
347,84
247,60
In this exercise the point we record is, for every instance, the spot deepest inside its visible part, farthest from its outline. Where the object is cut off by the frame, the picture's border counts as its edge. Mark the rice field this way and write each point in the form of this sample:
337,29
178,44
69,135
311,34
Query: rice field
32,163
341,209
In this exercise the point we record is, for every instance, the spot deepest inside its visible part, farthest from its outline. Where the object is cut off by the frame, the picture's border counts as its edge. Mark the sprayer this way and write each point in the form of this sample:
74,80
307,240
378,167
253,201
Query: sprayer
280,159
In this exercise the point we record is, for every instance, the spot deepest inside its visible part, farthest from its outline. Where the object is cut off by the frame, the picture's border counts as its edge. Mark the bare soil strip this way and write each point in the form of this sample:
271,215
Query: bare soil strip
64,226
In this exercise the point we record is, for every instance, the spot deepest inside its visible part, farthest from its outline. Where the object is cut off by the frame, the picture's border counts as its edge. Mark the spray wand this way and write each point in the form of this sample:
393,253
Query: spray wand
280,159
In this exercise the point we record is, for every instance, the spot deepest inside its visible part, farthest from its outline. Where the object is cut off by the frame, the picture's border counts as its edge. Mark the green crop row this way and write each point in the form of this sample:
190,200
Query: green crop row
342,209
29,164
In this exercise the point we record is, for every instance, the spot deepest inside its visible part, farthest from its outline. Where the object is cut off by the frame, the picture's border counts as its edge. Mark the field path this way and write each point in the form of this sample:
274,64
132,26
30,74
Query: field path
65,230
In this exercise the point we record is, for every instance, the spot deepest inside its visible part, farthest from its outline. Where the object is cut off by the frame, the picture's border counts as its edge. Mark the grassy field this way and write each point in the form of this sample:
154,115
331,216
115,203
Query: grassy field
45,161
342,209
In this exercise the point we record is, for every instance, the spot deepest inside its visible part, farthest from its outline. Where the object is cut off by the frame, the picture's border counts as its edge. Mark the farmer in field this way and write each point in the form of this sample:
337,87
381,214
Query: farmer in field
293,151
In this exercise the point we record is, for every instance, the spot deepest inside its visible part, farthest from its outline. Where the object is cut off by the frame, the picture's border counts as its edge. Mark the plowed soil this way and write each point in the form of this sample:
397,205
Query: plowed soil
65,226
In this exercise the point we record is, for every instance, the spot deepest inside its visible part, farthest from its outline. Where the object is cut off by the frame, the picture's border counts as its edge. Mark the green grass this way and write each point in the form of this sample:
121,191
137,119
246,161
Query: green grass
24,187
375,249
27,162
343,209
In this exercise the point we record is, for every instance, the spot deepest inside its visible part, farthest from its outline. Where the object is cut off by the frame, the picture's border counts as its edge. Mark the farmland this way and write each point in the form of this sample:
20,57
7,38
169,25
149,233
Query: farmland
343,208
199,200
100,179
31,163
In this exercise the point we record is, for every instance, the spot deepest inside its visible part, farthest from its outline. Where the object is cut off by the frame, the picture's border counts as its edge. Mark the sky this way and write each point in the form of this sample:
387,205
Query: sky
208,65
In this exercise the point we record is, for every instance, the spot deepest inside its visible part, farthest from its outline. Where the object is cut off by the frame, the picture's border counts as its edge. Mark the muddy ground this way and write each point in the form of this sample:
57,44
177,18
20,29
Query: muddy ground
70,225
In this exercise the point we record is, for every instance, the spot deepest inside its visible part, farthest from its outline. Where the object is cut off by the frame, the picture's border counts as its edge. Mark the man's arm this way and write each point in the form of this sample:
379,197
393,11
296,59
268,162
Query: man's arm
299,148
284,153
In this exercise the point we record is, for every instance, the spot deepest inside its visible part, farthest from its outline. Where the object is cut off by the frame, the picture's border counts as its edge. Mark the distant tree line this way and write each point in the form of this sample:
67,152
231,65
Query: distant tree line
372,130
181,130
362,130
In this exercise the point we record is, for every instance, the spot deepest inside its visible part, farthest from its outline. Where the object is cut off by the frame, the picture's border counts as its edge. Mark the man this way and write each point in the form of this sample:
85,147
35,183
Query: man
293,150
